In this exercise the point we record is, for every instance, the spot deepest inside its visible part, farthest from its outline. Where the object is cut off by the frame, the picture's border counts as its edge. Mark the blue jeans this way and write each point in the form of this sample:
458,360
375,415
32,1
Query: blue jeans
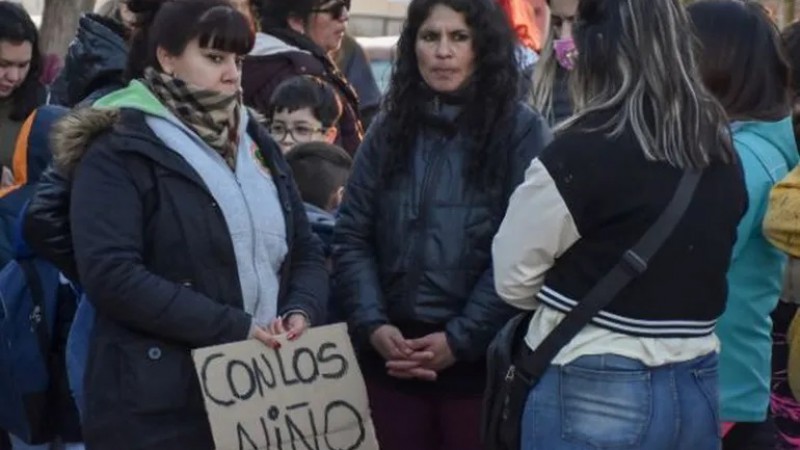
611,402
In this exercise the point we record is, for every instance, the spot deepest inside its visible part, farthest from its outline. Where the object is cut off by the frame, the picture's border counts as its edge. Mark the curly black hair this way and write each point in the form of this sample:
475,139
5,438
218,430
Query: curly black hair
488,114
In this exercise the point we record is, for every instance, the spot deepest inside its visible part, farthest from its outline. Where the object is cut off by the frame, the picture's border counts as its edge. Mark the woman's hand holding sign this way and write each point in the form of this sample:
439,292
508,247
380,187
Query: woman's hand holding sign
295,325
292,326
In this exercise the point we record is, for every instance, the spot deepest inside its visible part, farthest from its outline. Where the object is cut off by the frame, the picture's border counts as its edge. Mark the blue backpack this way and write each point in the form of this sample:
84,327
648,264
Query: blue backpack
29,290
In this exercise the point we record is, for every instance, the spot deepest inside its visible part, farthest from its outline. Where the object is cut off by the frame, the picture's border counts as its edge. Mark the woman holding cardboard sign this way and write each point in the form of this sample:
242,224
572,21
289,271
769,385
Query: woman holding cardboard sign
412,245
188,229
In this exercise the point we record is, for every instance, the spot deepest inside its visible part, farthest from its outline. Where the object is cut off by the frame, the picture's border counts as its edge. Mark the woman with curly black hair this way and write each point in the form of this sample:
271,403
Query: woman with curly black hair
412,247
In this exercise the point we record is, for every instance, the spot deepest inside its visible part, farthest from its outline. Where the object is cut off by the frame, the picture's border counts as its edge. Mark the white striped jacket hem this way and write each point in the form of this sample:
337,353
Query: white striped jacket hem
625,325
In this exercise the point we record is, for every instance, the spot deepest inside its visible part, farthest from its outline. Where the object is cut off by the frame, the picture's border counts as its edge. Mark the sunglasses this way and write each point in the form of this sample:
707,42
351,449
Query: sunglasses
336,10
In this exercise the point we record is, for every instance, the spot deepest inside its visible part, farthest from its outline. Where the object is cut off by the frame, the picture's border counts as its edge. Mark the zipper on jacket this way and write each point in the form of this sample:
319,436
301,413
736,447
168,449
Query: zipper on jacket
423,205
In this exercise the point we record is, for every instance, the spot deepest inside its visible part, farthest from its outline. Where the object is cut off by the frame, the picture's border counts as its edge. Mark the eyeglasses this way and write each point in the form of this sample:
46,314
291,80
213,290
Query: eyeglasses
336,10
300,133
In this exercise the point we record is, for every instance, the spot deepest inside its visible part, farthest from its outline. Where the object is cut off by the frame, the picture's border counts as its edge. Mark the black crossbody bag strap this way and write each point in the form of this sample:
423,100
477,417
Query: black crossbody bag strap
531,365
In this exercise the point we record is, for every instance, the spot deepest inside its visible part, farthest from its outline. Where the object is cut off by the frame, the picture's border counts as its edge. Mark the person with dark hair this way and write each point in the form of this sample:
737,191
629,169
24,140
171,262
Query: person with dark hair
147,164
642,374
96,58
21,91
297,38
304,109
412,263
743,64
321,171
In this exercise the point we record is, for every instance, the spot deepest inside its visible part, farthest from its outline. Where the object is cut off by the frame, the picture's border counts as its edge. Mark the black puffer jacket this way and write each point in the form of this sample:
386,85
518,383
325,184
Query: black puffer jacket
95,62
46,227
416,251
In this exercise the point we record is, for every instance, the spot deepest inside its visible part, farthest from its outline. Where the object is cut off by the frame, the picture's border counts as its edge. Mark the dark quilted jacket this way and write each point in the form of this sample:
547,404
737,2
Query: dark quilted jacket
416,251
95,62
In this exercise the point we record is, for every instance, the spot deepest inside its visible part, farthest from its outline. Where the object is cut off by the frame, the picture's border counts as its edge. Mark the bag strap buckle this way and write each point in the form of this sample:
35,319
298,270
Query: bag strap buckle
511,373
635,263
514,374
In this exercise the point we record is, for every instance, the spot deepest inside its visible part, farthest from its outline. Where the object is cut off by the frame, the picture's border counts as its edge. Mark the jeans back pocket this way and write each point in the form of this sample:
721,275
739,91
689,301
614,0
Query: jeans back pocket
605,408
708,383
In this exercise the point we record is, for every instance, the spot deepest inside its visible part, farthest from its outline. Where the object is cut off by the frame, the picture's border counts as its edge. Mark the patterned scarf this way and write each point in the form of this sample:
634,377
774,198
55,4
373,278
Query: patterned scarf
212,115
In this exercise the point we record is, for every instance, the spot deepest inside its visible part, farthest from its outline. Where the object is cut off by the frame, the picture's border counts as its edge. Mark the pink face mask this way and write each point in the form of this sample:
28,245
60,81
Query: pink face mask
565,52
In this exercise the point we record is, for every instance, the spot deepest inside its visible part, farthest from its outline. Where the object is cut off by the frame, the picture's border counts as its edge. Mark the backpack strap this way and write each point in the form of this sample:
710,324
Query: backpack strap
37,318
531,365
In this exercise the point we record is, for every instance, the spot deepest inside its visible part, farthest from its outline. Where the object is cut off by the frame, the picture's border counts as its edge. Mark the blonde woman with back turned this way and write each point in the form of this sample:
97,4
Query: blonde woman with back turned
643,374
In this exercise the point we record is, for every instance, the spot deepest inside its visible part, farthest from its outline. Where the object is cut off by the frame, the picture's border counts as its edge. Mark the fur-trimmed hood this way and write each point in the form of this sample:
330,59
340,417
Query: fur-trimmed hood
71,136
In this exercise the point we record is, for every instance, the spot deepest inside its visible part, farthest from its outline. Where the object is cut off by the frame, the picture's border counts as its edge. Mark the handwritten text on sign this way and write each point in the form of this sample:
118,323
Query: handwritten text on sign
308,395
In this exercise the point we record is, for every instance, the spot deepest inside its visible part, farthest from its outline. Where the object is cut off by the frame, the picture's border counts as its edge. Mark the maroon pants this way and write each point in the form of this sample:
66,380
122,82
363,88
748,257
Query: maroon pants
424,421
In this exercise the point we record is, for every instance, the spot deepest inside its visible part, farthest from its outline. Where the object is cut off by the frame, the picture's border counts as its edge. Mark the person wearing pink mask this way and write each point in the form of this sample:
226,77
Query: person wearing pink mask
550,94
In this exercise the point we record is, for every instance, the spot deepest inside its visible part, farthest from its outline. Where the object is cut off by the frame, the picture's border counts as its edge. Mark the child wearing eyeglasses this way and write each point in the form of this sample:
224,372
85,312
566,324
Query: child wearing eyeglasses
304,109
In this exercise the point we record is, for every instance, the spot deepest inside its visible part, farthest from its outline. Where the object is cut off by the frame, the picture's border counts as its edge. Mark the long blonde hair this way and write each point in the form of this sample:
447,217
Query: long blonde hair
544,77
636,64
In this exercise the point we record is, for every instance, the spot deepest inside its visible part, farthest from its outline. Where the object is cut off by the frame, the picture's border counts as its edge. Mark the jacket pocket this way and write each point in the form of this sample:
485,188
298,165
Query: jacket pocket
605,408
156,377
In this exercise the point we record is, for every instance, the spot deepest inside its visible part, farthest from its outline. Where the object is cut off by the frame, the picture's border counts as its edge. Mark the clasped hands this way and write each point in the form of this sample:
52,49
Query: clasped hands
421,358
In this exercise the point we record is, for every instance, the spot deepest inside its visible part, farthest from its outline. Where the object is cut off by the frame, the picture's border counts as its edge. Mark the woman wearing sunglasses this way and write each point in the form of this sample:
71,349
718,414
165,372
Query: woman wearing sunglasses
297,38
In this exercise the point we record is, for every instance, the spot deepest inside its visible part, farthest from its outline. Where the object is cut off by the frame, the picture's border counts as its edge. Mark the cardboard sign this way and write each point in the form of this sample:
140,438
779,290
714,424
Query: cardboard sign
307,395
